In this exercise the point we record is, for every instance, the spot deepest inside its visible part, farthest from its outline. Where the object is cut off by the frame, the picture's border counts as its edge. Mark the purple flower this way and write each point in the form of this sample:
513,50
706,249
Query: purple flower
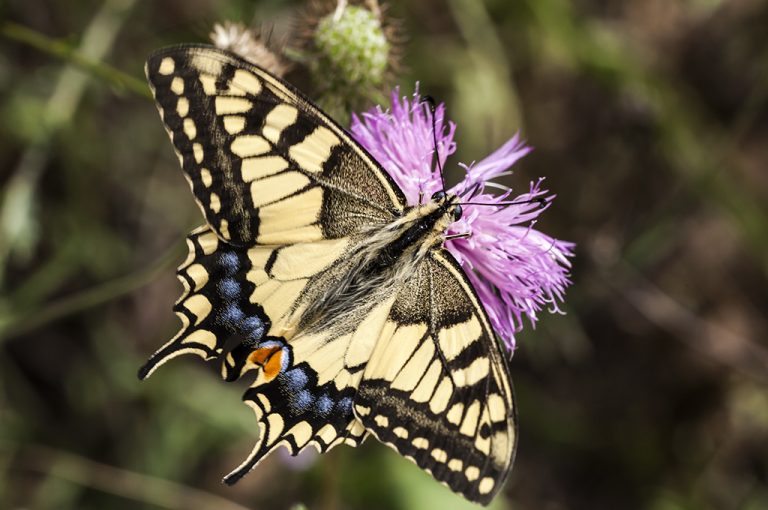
515,269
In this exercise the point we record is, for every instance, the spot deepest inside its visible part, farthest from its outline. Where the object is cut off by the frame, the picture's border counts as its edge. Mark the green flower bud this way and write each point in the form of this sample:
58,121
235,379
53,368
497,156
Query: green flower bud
353,49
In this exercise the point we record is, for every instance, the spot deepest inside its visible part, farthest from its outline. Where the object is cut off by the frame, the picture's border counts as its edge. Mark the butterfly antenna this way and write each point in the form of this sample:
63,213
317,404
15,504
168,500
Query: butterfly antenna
472,190
540,201
432,108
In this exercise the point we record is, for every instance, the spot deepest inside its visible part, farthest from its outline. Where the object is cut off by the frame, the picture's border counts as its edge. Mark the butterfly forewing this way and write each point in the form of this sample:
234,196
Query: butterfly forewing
436,387
265,165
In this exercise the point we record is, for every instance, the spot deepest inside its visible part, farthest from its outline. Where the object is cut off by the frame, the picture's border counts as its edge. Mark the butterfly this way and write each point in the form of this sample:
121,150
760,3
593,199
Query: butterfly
312,270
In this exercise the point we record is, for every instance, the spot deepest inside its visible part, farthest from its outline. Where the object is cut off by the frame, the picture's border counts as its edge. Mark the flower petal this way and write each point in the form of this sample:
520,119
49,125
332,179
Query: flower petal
516,270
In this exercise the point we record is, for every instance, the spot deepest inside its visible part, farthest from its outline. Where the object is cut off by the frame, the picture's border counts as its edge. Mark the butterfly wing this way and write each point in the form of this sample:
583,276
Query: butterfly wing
265,165
437,387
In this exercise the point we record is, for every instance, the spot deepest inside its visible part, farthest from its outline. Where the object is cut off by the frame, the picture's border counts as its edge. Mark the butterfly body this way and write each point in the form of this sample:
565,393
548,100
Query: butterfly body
339,294
383,259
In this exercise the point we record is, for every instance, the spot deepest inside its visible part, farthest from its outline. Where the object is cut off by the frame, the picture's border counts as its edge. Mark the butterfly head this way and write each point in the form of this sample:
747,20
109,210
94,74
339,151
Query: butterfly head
449,204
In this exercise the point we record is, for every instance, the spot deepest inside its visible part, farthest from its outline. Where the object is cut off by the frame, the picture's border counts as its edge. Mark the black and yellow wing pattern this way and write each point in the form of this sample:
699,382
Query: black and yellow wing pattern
288,197
436,387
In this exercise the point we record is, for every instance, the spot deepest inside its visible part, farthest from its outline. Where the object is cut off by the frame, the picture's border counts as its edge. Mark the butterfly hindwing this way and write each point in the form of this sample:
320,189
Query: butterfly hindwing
437,387
265,165
294,408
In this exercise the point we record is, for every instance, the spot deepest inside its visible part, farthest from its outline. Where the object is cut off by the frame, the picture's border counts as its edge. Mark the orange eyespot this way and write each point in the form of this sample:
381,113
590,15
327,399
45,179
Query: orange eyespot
269,359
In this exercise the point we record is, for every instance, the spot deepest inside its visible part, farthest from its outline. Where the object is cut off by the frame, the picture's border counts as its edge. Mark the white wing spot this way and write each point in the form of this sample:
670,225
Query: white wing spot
215,203
442,396
201,336
208,81
199,306
277,187
197,151
246,81
281,116
469,425
439,455
167,66
257,168
496,408
205,176
249,145
472,473
189,128
455,414
265,403
302,433
182,107
453,340
312,152
177,85
486,485
475,372
455,464
276,425
224,229
400,432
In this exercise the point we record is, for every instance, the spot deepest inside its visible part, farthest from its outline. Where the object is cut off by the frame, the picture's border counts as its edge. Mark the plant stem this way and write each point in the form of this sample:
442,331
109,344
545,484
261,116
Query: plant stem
120,80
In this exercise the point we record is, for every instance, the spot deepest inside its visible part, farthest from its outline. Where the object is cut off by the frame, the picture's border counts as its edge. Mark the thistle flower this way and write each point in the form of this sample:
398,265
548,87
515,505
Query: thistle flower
516,270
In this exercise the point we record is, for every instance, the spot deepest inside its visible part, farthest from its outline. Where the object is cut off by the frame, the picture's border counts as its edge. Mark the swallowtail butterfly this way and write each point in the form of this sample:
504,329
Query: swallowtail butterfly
313,270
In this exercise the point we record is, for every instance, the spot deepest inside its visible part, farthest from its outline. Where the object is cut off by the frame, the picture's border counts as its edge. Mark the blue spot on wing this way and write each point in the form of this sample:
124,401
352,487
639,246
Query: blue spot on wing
230,263
229,289
253,328
295,379
324,405
232,316
344,406
301,401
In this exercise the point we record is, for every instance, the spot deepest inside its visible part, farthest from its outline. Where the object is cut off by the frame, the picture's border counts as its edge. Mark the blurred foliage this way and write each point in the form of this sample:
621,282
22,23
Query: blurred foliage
650,122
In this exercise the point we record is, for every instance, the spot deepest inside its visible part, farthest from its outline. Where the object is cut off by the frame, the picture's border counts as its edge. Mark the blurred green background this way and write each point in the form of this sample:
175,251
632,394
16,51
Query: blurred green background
650,123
